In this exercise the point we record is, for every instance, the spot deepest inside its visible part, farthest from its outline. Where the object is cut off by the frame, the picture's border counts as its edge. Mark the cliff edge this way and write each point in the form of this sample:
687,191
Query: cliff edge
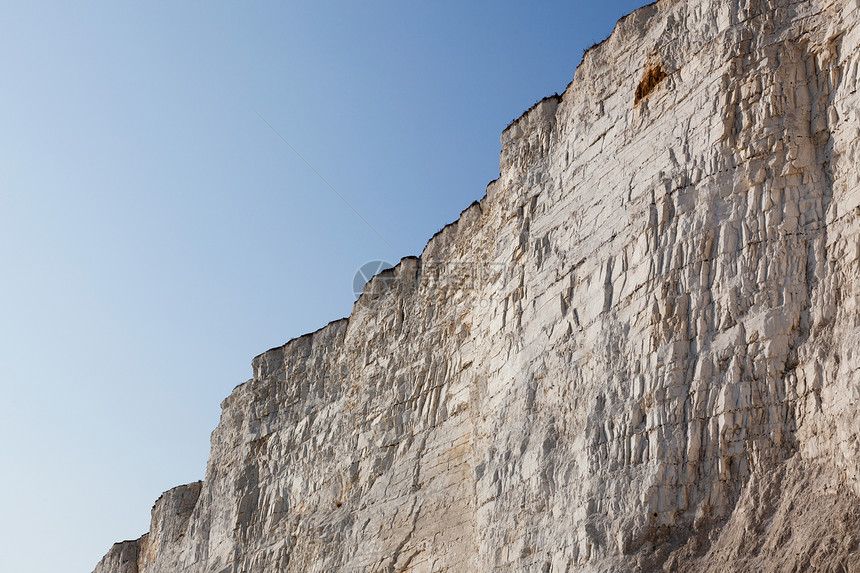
639,351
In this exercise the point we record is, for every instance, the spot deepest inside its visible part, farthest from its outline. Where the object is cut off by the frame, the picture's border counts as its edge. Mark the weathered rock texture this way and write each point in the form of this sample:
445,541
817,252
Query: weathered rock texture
640,351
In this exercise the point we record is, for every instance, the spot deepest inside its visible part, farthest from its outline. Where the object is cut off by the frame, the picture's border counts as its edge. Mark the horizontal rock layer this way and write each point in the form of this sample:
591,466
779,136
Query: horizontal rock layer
640,351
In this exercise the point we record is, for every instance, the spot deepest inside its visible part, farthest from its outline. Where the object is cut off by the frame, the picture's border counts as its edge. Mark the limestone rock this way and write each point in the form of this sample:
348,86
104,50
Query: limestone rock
640,351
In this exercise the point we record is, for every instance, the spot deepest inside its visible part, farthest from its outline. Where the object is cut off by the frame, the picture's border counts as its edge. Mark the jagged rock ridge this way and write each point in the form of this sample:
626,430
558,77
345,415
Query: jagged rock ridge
640,351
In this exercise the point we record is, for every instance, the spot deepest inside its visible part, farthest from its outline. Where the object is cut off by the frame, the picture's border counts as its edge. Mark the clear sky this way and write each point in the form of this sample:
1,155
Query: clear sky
156,234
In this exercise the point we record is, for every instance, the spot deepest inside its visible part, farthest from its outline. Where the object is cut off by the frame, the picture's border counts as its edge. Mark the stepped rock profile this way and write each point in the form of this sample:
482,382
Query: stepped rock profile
640,351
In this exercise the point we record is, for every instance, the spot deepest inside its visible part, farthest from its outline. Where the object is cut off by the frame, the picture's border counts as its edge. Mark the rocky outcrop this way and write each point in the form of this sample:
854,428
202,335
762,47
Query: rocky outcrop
640,351
170,516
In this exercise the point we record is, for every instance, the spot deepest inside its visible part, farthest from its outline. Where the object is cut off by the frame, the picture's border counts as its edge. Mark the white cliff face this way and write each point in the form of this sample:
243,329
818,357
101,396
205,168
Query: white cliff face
640,351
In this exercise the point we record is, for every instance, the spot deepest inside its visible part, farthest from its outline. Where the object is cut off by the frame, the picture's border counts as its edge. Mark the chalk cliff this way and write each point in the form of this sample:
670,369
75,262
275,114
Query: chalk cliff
639,351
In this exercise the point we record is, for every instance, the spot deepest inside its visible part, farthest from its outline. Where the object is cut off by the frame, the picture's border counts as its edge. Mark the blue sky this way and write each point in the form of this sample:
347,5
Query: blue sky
156,234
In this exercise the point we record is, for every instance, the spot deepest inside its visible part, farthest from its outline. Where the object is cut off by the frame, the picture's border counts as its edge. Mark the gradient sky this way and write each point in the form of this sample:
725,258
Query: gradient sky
156,234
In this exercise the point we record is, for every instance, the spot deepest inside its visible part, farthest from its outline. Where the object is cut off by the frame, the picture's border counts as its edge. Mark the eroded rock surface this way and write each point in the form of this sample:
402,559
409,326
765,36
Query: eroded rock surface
640,351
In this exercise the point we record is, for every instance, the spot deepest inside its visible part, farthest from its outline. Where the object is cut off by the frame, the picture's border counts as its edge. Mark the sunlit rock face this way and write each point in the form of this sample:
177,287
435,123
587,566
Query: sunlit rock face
640,351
